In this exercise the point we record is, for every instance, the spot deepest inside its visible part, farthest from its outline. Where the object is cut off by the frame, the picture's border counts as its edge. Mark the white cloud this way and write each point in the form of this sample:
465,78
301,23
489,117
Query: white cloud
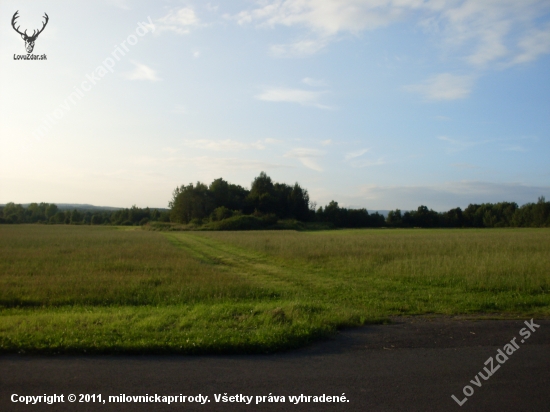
504,143
307,157
358,153
142,72
328,17
212,8
179,21
515,149
313,82
326,142
444,86
121,4
324,18
534,44
360,163
226,165
303,97
356,160
491,31
299,48
464,166
225,145
481,31
459,145
214,165
180,109
171,150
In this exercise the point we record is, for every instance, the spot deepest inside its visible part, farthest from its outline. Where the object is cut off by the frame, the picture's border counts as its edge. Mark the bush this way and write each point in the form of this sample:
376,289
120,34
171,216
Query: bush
269,219
196,222
221,213
290,224
159,226
239,223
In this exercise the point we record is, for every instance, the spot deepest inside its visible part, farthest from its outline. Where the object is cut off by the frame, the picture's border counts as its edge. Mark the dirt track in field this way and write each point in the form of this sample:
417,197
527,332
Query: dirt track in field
415,364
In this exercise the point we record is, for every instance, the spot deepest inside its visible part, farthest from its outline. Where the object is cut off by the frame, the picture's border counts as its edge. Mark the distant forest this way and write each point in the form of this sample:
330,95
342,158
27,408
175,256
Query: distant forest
270,205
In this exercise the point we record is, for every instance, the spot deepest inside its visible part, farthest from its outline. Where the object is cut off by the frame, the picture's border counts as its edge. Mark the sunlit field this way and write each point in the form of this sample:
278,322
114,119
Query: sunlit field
102,289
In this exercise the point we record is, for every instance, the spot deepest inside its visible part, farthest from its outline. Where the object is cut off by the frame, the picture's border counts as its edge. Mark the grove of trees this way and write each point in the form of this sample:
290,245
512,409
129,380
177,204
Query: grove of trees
221,200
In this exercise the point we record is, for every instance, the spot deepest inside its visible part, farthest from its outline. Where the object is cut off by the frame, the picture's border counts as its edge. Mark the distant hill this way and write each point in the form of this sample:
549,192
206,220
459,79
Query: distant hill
79,206
84,206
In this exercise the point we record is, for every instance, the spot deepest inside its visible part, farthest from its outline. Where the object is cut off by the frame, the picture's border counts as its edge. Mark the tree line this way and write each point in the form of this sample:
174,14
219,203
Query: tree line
503,214
51,213
270,204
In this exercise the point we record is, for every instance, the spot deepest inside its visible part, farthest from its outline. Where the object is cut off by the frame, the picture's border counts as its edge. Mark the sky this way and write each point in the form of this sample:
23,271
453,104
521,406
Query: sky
381,104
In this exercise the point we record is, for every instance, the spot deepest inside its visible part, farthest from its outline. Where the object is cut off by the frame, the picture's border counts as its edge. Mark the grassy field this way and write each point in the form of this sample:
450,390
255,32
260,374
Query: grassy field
102,289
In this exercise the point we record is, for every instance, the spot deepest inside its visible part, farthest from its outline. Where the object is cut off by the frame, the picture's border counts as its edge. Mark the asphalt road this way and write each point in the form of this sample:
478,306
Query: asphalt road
413,365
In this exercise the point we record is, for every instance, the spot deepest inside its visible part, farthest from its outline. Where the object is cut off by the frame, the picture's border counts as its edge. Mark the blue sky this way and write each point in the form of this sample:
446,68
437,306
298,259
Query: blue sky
380,104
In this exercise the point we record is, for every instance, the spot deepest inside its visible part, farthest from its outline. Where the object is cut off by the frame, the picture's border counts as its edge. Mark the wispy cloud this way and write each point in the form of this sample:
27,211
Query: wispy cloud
356,159
226,145
121,4
142,72
515,149
357,153
444,86
464,166
179,21
230,164
533,44
360,163
212,164
327,17
506,144
313,82
491,31
180,109
481,32
459,145
298,48
308,157
303,97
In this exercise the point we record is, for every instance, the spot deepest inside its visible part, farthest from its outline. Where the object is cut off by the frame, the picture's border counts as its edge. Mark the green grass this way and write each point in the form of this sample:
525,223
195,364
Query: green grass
102,289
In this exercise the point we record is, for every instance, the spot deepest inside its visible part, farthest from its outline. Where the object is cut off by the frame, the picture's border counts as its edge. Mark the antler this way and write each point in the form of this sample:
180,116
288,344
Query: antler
34,33
43,25
15,16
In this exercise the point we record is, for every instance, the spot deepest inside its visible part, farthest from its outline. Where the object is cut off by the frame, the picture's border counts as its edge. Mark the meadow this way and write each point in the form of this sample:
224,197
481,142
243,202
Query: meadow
92,289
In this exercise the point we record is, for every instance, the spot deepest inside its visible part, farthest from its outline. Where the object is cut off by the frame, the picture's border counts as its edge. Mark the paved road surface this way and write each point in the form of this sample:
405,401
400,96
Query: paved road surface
412,365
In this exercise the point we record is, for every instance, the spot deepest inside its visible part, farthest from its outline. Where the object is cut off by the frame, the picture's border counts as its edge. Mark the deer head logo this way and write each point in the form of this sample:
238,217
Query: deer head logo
29,40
